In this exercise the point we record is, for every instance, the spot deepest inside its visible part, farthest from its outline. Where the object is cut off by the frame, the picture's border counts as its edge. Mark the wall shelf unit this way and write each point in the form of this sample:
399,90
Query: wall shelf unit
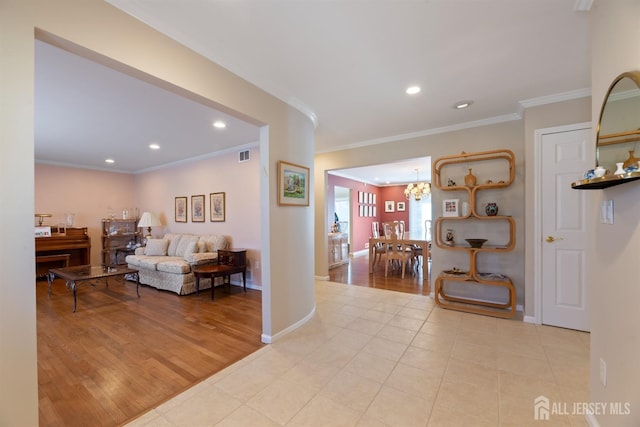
504,163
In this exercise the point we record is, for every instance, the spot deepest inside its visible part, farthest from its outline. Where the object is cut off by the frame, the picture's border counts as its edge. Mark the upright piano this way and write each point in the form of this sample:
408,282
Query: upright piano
73,241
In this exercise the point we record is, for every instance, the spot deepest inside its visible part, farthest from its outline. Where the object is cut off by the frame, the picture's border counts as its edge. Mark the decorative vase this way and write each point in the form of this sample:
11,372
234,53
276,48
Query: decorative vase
631,161
470,179
620,169
465,208
599,171
491,209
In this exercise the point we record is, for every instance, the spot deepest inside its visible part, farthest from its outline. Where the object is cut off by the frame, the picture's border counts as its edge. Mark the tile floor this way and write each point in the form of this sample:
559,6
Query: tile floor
371,357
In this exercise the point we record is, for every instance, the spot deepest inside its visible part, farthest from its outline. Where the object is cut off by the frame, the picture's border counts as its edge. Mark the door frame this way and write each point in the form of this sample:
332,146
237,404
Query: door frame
537,211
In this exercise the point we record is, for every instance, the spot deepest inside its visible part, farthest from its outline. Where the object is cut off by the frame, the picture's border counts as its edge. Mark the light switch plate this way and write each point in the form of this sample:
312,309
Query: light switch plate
606,212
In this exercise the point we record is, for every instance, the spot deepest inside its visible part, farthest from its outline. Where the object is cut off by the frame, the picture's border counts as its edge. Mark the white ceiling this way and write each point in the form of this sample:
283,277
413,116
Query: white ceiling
344,63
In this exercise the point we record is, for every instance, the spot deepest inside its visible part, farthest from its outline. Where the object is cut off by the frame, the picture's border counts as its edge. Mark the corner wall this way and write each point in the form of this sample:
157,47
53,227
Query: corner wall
613,276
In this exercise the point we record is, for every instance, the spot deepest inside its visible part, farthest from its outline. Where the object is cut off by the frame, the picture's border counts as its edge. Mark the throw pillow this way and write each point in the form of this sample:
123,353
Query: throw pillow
156,247
192,248
185,240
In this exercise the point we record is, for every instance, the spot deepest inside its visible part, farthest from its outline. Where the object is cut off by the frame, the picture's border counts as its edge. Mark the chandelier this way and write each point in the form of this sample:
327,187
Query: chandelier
417,189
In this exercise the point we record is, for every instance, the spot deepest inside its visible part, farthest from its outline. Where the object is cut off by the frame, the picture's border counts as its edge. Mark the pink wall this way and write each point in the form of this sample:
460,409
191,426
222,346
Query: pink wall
361,226
93,195
395,194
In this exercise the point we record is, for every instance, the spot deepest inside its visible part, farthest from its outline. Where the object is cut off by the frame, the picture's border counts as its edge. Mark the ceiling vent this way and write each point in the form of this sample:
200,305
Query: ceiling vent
243,156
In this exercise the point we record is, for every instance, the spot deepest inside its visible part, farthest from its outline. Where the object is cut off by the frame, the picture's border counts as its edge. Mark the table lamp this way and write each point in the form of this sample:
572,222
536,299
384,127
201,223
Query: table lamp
148,219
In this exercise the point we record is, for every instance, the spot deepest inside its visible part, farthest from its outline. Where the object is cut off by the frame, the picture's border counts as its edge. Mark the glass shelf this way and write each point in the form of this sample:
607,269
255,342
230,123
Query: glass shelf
605,181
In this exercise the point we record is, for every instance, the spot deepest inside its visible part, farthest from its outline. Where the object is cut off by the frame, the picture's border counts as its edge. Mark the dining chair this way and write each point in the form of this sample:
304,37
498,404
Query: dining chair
379,248
397,251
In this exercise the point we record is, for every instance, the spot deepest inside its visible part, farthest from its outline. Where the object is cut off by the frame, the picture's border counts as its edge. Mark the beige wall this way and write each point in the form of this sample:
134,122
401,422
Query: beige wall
97,30
93,195
613,279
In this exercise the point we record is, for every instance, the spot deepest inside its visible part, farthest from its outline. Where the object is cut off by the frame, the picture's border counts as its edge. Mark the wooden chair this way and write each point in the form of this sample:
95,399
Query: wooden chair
397,252
379,248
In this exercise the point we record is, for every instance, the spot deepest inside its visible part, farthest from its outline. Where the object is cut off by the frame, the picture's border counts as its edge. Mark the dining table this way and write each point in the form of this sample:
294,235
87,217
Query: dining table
424,244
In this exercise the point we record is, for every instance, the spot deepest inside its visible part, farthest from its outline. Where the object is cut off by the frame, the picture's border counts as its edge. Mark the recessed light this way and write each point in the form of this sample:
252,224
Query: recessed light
154,146
462,104
110,161
219,124
412,90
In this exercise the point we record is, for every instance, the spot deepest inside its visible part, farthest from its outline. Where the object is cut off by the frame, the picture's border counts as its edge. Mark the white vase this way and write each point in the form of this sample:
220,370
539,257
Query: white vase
619,171
465,208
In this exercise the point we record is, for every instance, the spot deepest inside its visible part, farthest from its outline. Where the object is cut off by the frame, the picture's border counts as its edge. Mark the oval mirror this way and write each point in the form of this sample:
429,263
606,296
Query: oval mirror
618,139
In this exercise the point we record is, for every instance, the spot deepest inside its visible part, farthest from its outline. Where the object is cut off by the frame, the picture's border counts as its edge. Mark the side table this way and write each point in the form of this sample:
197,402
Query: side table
236,258
212,271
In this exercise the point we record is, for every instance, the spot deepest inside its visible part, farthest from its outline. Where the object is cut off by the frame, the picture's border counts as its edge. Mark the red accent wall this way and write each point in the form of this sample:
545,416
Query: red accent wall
395,194
361,226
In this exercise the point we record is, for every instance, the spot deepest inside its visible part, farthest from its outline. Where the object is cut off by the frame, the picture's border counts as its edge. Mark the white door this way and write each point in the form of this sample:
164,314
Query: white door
565,158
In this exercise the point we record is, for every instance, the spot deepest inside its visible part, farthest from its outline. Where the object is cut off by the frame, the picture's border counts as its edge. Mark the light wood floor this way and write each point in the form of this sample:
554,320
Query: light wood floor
119,356
356,272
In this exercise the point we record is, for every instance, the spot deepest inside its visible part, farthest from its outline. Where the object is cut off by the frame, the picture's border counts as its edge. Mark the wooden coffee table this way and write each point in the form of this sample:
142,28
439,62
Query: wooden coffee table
212,271
75,276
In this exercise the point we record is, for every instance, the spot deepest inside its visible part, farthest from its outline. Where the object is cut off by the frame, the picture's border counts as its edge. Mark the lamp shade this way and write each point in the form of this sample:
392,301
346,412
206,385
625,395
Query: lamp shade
149,219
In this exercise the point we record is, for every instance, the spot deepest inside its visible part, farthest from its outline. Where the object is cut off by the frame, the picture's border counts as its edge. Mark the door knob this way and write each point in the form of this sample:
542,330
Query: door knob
551,239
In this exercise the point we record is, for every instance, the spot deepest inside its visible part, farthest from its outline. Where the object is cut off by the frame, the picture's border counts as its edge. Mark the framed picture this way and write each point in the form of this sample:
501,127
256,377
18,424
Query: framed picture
197,208
293,184
400,206
374,212
360,197
389,206
373,200
450,207
181,209
217,207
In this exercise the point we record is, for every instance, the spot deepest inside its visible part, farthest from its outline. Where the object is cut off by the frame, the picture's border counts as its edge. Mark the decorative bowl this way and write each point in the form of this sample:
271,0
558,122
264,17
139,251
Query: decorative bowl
476,243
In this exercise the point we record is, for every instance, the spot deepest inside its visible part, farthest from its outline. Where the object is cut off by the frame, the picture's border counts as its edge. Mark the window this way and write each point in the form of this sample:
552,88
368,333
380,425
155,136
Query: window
419,212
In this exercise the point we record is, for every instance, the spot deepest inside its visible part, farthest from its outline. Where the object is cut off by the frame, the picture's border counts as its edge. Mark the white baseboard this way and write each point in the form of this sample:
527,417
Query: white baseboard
268,339
321,278
360,253
530,319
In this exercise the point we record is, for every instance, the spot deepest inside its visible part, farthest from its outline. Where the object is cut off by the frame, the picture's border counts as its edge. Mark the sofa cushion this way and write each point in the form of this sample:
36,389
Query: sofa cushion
185,242
174,265
174,241
214,242
192,248
149,262
202,246
156,247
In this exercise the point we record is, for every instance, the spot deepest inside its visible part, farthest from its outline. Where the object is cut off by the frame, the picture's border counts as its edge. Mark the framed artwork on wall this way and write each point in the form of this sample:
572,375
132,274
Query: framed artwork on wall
389,206
400,206
450,207
197,208
181,209
293,184
217,207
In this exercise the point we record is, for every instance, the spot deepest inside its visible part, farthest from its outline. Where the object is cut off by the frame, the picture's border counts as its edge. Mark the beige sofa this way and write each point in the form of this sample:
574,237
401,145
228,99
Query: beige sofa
168,263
